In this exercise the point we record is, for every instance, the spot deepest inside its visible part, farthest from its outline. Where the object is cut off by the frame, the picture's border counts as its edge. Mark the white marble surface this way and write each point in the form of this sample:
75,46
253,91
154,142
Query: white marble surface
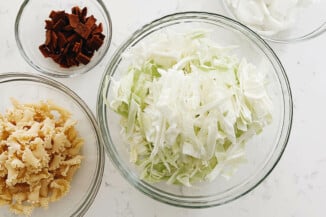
296,187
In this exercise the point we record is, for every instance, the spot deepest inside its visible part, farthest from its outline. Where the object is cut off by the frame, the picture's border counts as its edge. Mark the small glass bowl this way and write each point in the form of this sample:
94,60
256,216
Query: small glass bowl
310,22
263,151
30,33
29,88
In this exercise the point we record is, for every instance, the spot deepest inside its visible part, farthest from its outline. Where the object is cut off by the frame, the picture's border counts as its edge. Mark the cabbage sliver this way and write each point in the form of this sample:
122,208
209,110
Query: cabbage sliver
188,107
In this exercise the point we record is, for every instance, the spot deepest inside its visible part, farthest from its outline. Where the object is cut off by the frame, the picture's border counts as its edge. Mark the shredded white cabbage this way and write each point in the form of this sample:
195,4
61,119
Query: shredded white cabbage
188,108
268,17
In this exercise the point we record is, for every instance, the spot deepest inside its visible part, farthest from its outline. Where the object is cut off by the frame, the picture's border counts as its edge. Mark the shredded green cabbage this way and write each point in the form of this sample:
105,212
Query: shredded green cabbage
188,108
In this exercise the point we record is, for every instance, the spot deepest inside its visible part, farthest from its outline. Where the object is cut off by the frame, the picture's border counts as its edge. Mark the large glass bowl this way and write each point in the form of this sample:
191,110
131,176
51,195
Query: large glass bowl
263,151
310,22
30,33
28,88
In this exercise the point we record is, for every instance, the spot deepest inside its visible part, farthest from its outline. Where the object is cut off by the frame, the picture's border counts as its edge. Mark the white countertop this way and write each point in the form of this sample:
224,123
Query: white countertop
296,187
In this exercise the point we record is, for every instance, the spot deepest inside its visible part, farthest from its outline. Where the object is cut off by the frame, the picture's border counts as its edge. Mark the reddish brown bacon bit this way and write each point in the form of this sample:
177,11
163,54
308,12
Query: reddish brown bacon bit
71,39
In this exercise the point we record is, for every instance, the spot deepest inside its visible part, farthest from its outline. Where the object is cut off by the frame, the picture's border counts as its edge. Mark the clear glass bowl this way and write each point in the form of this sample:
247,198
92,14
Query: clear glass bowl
28,88
30,33
310,22
263,151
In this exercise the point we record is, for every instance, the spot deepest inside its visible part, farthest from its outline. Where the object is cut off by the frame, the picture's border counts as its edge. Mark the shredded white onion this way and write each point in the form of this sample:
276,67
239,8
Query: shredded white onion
268,17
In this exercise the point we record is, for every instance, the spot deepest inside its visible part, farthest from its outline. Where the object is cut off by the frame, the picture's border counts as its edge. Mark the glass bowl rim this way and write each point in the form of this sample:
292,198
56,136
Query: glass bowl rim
142,186
312,34
6,77
107,17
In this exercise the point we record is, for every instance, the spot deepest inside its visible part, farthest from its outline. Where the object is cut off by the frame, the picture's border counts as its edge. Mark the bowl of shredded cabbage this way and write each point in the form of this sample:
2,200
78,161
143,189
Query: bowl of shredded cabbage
280,21
195,109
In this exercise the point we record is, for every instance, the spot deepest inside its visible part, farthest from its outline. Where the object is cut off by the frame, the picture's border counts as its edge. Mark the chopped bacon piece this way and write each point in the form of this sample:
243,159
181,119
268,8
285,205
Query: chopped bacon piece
59,25
77,47
84,12
98,29
49,24
62,40
95,42
73,20
90,22
45,50
54,39
82,30
48,37
83,58
76,10
57,15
